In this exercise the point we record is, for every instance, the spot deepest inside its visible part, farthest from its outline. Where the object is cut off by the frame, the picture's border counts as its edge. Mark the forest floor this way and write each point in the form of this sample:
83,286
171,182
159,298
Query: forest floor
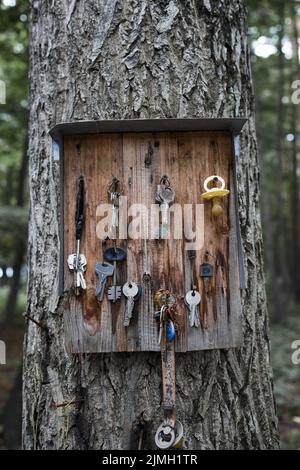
286,383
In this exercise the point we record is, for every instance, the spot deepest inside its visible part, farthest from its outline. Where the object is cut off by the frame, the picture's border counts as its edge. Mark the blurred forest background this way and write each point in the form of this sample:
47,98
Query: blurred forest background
274,32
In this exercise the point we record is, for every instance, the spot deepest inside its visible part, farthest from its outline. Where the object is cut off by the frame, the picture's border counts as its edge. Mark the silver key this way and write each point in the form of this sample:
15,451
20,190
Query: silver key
115,217
81,271
193,299
166,195
130,290
115,209
103,270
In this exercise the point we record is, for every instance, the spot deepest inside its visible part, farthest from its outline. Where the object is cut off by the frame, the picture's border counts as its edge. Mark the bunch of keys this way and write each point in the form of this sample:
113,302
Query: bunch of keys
193,299
165,195
77,261
132,292
165,300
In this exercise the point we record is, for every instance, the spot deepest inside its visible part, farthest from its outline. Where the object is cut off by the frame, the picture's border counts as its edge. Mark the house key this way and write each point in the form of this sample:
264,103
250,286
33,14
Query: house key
193,299
130,290
165,195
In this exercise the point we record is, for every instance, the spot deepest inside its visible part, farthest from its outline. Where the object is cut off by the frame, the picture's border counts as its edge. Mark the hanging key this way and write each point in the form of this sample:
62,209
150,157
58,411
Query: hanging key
115,211
114,255
193,299
103,270
206,272
114,197
130,290
165,196
115,189
77,261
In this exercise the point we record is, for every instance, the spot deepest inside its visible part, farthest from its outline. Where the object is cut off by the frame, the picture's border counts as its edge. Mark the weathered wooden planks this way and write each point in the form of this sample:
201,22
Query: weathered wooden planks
140,160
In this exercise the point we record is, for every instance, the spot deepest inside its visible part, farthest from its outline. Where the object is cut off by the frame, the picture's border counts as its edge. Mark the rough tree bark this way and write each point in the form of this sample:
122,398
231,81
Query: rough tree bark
20,244
140,59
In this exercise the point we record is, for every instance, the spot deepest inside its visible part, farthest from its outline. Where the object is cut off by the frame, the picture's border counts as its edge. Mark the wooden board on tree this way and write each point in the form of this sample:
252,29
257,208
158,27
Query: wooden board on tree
139,160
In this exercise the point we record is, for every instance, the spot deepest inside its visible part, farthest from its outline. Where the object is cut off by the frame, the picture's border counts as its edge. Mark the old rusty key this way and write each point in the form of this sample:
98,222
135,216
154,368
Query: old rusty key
113,255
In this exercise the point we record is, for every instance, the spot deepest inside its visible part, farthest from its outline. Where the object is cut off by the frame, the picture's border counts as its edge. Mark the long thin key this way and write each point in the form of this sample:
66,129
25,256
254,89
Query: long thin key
78,281
164,207
115,216
193,299
81,270
114,197
167,195
103,270
130,290
82,280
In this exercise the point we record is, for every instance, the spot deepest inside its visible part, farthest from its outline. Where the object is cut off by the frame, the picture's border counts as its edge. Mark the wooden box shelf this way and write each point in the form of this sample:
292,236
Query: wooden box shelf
139,159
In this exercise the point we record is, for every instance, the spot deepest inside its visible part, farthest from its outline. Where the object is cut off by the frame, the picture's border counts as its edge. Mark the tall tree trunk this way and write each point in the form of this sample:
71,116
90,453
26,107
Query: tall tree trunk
139,59
295,202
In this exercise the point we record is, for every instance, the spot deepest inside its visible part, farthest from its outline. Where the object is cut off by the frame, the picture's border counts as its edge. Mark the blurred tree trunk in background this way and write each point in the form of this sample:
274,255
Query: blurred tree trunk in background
294,195
140,59
268,225
280,244
12,418
20,244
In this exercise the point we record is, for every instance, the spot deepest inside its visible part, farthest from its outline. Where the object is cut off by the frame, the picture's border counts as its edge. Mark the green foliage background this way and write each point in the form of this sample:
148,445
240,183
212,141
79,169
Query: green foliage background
13,121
